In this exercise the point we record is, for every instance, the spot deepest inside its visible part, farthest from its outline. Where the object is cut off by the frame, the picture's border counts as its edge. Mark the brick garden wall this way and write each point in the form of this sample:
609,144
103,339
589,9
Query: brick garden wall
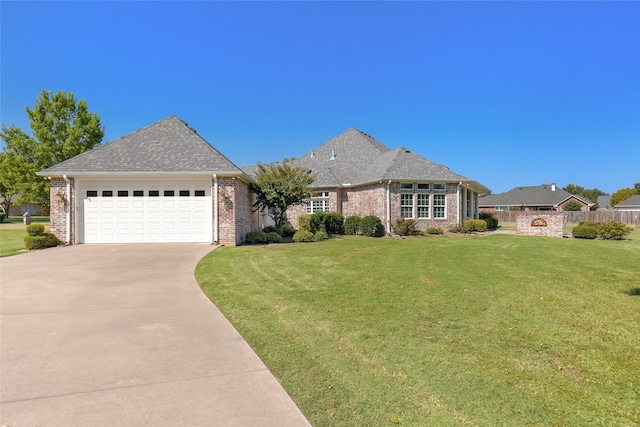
540,223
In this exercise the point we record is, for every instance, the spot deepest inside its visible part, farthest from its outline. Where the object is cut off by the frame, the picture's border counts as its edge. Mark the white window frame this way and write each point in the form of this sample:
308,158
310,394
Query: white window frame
440,206
319,202
423,205
439,186
404,197
406,186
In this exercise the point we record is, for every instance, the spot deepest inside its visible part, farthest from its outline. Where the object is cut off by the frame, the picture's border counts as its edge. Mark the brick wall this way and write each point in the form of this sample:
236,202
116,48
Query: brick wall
235,209
61,203
540,223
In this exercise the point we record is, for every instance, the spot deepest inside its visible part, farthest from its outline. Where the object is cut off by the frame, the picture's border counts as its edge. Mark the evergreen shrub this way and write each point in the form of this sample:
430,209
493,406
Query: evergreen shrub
334,223
303,236
371,226
433,230
274,237
352,224
320,235
613,230
44,240
404,227
584,232
256,237
475,225
492,221
35,229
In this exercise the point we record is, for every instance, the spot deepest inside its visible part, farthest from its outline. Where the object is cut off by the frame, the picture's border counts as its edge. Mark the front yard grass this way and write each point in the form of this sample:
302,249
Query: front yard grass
12,232
494,330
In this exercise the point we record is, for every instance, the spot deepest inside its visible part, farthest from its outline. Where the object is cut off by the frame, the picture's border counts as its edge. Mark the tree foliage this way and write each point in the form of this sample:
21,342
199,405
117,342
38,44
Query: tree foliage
572,205
61,127
280,186
590,194
622,195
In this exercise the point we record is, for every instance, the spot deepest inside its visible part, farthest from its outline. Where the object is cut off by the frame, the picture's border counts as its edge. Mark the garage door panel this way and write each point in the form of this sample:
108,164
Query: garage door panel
147,212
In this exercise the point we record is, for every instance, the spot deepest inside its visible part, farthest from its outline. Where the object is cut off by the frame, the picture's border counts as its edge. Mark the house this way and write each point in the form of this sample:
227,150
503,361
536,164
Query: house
357,175
162,183
32,208
604,203
165,183
535,198
632,204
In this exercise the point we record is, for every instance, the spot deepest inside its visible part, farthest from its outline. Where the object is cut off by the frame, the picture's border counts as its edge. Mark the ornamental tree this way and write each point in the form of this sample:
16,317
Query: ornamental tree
61,127
622,195
278,187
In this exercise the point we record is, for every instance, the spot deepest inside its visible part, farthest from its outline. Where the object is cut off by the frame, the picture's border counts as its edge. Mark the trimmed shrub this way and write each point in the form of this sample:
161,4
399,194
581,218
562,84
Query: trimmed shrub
492,221
256,237
371,226
270,229
320,235
35,229
304,223
455,228
2,217
317,221
352,224
303,236
334,223
274,237
584,232
613,230
432,230
474,225
404,227
44,240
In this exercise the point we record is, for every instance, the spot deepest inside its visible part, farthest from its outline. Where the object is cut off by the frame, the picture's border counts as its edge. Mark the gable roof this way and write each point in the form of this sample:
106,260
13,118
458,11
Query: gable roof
355,158
631,202
540,195
604,202
168,145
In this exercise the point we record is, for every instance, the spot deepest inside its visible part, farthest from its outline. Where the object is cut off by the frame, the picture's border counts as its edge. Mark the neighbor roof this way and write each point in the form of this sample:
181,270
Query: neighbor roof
355,158
169,145
541,195
631,202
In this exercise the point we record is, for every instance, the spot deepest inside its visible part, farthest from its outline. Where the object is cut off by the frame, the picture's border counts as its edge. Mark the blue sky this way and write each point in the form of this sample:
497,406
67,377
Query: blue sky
505,93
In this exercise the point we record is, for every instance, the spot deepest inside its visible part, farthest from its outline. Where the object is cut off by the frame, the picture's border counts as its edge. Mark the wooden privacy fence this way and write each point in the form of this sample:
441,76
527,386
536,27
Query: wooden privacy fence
574,217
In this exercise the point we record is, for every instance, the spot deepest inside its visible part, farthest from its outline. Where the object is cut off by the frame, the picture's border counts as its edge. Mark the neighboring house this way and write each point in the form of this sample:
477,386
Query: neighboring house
535,198
604,203
357,175
162,183
32,208
632,204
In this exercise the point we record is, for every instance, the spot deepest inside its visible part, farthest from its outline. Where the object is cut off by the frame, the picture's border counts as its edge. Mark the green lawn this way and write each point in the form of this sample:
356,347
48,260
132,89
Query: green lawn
12,234
492,330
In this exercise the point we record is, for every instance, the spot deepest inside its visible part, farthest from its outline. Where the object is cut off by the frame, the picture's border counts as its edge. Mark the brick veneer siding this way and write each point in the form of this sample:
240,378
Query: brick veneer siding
526,223
372,200
236,216
59,208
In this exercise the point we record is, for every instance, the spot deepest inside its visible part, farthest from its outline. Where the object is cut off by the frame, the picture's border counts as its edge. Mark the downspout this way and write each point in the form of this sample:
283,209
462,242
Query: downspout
388,208
215,209
68,181
459,207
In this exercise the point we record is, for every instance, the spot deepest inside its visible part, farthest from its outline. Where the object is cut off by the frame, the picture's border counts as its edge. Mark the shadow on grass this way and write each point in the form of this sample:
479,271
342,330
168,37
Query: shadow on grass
634,292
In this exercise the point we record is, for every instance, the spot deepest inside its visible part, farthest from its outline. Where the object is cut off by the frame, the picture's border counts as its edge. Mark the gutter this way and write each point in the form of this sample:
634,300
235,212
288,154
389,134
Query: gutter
68,181
459,207
215,210
388,208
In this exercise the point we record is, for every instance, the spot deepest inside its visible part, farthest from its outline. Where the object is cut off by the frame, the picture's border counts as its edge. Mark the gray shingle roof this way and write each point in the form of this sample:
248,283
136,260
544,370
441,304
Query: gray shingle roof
356,158
169,145
541,195
631,202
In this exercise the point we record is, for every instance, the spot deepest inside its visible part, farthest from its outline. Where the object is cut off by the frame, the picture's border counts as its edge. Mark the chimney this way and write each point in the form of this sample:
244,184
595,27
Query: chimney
333,155
553,186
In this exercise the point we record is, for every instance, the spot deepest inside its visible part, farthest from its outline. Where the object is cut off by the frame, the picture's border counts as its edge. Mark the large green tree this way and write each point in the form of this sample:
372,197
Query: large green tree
61,127
280,186
621,195
586,193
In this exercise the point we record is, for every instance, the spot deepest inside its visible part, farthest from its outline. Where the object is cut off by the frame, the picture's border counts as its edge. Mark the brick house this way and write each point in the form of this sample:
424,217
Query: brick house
533,198
165,183
357,175
162,183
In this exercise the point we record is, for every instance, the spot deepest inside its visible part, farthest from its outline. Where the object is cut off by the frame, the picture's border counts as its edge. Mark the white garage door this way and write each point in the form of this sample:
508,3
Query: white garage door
129,212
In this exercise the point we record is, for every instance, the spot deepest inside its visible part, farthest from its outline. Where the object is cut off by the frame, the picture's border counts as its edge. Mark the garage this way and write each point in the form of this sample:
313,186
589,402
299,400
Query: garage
146,212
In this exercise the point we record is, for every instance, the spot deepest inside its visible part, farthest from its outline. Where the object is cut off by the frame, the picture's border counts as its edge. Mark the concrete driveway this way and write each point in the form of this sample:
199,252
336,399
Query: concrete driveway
121,335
